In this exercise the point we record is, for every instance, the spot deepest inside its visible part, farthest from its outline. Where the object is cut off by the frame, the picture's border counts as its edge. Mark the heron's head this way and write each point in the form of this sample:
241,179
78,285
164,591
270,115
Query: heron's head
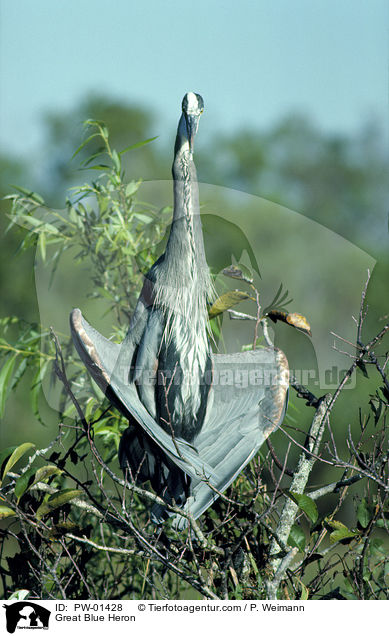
192,107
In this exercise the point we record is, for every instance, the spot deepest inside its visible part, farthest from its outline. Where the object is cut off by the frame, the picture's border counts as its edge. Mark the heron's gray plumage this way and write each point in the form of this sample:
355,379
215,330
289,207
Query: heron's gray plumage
196,418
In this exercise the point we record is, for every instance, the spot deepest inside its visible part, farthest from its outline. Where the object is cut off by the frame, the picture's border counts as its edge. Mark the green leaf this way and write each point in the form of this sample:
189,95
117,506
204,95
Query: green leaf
42,245
137,145
377,547
15,456
340,532
29,193
70,410
37,386
4,455
56,501
376,405
99,166
84,143
364,513
304,590
306,504
5,377
249,347
39,224
19,372
296,538
116,161
226,301
19,595
6,512
348,591
33,476
100,151
93,122
47,471
24,482
132,187
142,217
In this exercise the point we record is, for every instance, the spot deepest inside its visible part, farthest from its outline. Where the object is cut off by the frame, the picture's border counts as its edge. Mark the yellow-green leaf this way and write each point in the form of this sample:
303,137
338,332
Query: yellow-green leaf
304,590
62,527
19,595
42,245
33,476
340,531
15,456
226,301
46,471
4,455
6,512
56,501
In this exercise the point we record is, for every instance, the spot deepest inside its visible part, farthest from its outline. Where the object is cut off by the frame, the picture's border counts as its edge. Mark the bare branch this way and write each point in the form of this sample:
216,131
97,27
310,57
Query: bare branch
289,512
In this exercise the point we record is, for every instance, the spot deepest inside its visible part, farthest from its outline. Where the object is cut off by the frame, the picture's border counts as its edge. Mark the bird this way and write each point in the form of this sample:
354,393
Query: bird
196,417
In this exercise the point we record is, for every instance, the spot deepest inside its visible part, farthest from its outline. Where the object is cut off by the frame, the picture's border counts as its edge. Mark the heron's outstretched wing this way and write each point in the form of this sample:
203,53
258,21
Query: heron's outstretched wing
246,403
110,365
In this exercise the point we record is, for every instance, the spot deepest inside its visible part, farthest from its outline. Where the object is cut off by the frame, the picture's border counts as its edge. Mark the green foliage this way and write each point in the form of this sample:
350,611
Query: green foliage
8,461
306,504
24,353
102,223
296,538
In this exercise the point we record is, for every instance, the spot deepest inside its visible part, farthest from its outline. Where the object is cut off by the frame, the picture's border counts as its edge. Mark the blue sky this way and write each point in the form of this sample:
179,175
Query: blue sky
253,61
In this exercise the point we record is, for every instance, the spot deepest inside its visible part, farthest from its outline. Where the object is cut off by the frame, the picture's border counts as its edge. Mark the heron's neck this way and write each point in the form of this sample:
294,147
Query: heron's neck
182,143
183,283
186,236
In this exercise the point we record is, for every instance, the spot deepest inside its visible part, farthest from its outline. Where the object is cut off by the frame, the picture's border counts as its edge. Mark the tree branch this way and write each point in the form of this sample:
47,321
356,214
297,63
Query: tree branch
279,564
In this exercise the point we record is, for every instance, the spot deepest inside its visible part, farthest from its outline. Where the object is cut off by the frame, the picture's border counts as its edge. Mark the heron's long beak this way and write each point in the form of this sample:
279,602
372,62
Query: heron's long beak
192,124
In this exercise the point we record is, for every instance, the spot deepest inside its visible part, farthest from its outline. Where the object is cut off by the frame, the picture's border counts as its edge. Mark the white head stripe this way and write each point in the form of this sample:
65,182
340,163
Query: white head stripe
192,101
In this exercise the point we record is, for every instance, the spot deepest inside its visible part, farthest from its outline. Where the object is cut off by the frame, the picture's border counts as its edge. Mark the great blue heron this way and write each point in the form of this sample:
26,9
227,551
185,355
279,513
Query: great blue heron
196,418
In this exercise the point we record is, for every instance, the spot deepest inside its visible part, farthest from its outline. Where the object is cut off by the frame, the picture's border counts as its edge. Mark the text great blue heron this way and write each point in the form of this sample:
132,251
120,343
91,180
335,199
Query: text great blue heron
196,418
